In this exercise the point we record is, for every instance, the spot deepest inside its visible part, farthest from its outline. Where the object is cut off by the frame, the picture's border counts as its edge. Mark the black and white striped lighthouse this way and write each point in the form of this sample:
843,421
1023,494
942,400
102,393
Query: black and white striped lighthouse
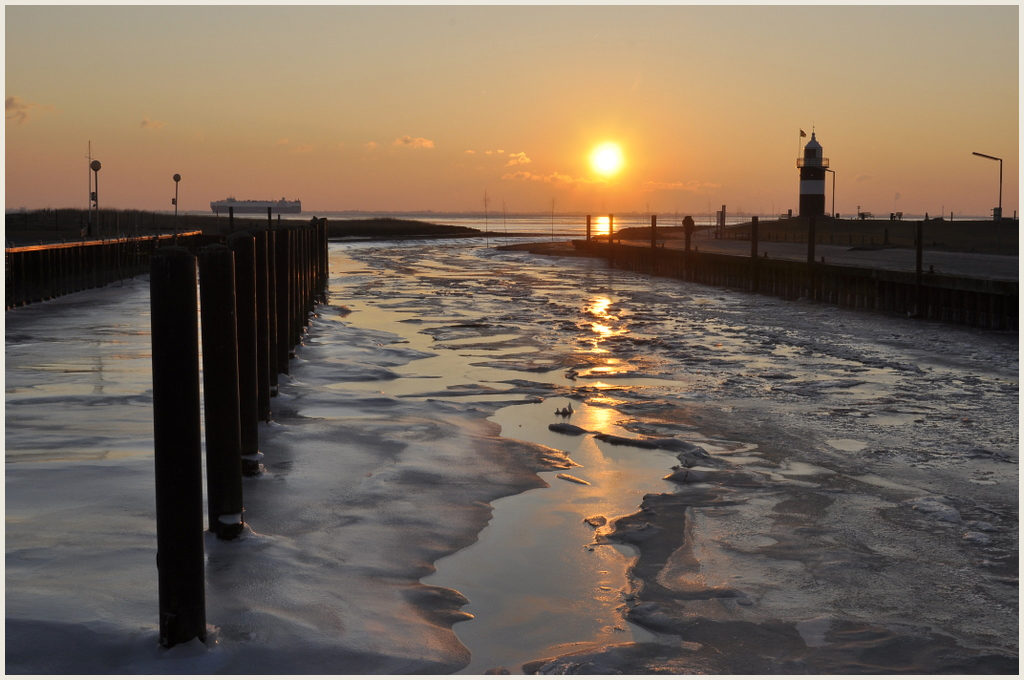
812,179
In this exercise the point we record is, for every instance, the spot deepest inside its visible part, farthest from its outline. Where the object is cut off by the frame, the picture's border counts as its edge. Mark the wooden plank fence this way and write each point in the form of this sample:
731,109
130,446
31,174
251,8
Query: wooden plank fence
982,303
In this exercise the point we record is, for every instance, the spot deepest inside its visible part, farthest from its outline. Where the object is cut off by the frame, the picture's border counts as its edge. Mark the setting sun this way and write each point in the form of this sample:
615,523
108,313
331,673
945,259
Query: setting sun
606,159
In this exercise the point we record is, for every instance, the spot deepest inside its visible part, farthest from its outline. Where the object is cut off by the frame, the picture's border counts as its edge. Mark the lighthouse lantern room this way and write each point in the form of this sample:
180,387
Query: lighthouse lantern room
812,180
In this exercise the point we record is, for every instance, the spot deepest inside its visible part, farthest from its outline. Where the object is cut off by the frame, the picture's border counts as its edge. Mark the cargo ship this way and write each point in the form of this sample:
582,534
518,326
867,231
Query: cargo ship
282,206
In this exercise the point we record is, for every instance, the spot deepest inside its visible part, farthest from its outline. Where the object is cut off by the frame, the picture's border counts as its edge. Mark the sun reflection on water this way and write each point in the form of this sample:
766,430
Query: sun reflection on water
604,322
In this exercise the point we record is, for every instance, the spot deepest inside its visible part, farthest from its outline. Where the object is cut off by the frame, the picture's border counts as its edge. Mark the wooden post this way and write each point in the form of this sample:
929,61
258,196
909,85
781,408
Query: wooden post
272,308
919,266
262,326
654,231
588,227
754,266
220,391
611,240
177,447
810,258
243,245
283,281
810,240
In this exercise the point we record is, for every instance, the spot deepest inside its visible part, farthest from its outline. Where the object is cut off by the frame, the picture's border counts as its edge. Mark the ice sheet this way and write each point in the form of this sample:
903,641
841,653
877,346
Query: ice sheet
382,461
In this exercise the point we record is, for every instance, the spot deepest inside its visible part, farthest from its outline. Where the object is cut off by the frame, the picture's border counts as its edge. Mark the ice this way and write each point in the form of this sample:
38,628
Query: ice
842,487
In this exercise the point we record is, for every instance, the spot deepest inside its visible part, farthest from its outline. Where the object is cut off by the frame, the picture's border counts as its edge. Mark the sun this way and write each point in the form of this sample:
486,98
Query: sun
606,159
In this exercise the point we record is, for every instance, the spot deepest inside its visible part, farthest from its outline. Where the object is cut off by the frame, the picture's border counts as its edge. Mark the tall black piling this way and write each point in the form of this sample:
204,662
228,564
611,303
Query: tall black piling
262,326
754,273
220,391
810,258
919,269
243,245
272,325
177,446
284,291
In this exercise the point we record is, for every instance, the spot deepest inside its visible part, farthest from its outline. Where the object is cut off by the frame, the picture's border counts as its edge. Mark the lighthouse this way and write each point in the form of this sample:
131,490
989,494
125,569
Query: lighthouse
812,180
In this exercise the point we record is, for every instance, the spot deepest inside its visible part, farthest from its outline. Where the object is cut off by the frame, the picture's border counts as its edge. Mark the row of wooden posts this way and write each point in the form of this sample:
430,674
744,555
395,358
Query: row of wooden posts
983,303
43,272
256,293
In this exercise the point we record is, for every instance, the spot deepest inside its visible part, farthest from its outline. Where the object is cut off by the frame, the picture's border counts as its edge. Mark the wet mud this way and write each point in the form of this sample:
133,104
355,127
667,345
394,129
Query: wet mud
846,494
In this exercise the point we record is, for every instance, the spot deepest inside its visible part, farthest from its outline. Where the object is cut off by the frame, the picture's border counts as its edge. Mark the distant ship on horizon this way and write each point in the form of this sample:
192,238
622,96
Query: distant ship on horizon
282,206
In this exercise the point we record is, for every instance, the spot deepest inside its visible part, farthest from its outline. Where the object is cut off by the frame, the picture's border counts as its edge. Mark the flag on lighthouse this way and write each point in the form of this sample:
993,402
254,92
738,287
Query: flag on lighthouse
803,134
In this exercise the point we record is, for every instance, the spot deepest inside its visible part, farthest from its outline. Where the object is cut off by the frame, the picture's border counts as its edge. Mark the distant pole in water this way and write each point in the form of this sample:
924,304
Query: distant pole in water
552,220
487,200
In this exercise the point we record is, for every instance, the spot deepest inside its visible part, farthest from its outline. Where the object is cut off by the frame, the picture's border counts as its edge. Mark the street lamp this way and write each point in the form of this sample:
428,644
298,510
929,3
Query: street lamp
833,215
95,166
176,178
999,211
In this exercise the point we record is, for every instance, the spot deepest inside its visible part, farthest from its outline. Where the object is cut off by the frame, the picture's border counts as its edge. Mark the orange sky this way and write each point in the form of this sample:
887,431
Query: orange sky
425,108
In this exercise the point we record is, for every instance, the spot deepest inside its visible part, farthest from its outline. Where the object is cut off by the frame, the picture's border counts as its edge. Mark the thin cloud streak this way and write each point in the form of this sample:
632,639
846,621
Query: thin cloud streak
19,111
414,142
556,178
692,185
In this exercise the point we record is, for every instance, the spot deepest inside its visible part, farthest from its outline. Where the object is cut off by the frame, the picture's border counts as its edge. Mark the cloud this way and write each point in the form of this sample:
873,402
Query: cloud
20,111
301,148
555,178
517,159
864,178
692,185
470,151
152,124
414,142
283,141
370,146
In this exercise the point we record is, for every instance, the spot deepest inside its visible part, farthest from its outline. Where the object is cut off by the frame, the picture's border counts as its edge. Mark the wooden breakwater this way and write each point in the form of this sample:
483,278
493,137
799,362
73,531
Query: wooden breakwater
46,271
255,295
982,303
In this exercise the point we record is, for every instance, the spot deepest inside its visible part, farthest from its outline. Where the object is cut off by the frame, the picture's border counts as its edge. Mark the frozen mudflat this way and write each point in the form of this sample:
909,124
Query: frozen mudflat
842,491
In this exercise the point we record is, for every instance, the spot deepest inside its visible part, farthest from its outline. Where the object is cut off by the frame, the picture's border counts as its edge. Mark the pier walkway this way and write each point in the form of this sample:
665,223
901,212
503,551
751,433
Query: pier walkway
974,265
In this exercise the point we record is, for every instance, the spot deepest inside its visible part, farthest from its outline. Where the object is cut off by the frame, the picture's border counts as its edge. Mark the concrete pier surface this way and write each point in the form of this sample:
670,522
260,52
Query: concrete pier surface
975,265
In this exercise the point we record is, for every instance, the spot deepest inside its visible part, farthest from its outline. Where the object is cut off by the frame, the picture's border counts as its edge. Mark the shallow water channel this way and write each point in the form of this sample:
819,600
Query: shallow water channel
537,583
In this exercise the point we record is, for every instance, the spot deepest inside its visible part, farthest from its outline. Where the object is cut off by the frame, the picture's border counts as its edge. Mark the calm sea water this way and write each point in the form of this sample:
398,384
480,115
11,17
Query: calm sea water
559,224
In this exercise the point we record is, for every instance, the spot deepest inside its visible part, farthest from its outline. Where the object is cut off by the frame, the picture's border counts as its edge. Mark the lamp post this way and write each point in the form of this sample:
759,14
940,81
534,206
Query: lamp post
176,178
95,166
833,215
999,211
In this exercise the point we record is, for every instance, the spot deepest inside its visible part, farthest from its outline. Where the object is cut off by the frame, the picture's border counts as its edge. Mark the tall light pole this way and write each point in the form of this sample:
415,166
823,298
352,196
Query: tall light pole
176,178
95,166
999,211
833,215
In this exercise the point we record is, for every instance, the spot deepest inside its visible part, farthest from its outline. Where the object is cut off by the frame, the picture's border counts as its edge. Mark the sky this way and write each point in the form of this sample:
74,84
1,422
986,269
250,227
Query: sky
407,108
